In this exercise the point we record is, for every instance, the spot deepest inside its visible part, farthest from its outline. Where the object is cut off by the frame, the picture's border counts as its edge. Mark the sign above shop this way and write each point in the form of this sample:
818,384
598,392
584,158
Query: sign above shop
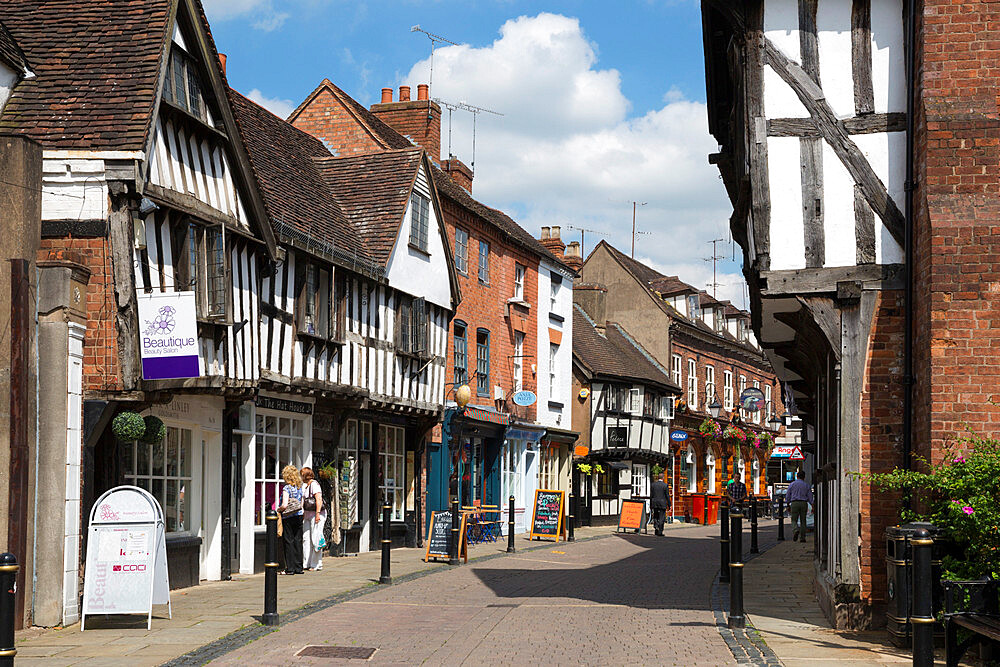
678,436
525,398
168,336
284,405
752,399
790,452
617,436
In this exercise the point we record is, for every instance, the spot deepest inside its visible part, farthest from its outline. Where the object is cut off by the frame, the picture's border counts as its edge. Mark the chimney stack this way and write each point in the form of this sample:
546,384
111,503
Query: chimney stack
592,298
573,257
222,63
418,120
459,172
552,241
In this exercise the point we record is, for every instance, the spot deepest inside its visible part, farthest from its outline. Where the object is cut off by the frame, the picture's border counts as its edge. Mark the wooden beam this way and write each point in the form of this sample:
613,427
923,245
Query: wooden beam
826,316
730,11
806,127
864,229
794,282
122,240
809,39
835,134
760,186
861,56
811,177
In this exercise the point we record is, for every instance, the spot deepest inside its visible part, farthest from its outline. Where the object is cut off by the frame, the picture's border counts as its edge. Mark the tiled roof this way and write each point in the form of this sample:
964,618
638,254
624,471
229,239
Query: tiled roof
644,273
615,353
96,66
373,190
670,285
293,188
10,52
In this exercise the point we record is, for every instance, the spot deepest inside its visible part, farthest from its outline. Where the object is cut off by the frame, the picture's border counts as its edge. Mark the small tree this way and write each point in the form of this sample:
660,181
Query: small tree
960,496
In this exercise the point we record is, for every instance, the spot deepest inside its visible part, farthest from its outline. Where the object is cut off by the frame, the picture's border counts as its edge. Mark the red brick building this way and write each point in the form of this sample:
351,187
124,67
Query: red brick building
874,283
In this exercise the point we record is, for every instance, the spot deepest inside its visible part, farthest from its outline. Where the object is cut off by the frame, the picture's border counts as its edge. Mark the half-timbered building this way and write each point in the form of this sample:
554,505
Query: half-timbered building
861,166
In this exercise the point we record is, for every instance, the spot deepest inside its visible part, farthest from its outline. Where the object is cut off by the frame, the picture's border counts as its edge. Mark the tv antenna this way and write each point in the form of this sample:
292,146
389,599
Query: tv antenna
434,40
714,259
582,232
475,111
635,205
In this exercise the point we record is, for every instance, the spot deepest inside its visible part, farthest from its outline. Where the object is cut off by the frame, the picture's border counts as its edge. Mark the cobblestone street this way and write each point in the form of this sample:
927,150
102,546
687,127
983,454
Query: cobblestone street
635,599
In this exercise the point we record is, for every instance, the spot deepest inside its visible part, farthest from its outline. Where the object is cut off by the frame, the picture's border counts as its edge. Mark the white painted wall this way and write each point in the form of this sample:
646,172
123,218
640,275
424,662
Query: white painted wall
833,24
888,56
417,273
74,441
554,415
73,189
8,79
785,181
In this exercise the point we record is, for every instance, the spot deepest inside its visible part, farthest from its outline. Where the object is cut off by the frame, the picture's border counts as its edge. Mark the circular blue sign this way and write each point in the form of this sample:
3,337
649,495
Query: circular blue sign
524,398
679,436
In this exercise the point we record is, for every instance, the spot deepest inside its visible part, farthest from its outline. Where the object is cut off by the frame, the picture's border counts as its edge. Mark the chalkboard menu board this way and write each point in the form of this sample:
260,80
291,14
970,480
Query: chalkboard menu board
547,515
632,515
439,537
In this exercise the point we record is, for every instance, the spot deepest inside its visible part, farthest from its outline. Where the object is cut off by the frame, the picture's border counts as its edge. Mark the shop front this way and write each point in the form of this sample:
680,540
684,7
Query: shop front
523,459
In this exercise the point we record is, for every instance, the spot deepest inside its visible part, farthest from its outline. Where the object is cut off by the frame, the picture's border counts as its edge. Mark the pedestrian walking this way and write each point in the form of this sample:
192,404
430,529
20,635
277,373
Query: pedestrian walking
313,521
291,518
659,501
800,496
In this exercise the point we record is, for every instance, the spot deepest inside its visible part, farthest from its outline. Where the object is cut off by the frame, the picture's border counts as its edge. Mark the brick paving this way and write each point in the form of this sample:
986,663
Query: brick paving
634,599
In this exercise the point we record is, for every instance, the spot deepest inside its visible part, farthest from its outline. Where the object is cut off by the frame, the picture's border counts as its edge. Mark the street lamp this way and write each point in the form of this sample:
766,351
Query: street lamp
775,422
462,396
714,408
787,418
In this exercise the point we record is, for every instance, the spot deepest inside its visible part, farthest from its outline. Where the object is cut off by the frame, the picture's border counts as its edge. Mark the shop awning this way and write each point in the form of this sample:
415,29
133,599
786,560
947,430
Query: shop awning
486,415
629,454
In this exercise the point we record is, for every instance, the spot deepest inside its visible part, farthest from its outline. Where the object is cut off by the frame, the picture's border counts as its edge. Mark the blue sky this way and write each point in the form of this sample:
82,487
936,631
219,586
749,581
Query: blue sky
603,104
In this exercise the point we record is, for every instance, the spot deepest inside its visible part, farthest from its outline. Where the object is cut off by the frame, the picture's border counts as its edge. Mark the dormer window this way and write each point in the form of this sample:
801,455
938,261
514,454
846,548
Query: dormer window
720,321
693,307
183,87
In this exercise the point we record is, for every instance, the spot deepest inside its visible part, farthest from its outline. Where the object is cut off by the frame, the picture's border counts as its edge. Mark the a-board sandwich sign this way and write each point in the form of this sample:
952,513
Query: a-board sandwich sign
547,514
439,537
168,336
632,515
126,556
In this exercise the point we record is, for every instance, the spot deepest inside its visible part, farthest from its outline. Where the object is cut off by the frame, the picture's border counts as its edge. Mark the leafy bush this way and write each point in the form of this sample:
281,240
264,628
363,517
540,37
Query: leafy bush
960,496
154,430
128,425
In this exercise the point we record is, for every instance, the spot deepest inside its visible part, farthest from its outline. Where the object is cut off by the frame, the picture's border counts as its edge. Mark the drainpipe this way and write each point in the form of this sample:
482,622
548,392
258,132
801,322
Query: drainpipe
908,380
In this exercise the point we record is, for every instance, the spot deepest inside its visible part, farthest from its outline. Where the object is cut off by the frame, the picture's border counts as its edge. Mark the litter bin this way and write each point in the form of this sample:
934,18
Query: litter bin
899,571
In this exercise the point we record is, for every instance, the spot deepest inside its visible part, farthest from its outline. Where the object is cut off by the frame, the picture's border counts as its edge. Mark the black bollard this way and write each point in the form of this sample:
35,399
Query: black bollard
724,541
922,618
270,616
753,526
510,527
781,518
736,617
572,520
456,539
8,594
385,578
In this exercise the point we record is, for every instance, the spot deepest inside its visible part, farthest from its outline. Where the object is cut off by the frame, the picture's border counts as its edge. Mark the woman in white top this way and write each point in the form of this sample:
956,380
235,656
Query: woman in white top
313,521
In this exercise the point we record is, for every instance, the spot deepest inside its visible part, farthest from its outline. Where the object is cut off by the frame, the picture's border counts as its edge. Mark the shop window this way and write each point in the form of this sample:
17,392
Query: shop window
518,282
182,86
461,250
419,220
411,326
280,441
484,262
483,362
461,353
607,481
640,480
548,468
510,480
164,469
392,450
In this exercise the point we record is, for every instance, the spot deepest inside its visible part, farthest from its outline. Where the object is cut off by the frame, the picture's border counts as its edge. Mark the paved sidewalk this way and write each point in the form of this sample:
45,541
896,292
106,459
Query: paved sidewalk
212,610
780,604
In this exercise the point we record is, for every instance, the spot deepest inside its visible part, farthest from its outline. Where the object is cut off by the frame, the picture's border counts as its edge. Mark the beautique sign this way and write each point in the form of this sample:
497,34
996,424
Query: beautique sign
168,336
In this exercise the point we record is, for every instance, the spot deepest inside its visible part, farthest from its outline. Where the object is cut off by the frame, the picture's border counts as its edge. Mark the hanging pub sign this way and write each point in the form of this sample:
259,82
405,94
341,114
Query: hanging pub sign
168,336
525,398
752,399
126,556
547,514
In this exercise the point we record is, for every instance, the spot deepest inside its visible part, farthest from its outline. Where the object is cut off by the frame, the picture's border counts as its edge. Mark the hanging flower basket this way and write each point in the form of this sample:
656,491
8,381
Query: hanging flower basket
128,425
736,434
154,430
710,429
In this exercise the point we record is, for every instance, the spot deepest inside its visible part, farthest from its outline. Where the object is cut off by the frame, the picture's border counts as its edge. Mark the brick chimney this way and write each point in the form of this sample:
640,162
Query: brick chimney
591,297
222,63
573,257
552,242
419,119
459,172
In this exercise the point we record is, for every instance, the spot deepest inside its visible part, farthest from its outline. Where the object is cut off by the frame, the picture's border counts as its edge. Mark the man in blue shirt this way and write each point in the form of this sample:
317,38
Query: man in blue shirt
799,496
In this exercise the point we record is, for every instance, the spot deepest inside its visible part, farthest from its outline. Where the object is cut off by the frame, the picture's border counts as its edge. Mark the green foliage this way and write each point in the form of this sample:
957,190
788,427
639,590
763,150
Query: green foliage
959,495
657,470
154,430
585,468
128,425
710,429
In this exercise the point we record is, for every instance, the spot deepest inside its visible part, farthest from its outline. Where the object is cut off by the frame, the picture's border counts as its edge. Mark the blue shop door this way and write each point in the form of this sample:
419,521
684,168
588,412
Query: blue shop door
491,472
438,470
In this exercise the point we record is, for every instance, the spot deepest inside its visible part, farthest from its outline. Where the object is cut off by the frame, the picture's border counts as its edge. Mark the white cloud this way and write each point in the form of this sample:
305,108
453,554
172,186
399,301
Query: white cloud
262,13
567,152
277,106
